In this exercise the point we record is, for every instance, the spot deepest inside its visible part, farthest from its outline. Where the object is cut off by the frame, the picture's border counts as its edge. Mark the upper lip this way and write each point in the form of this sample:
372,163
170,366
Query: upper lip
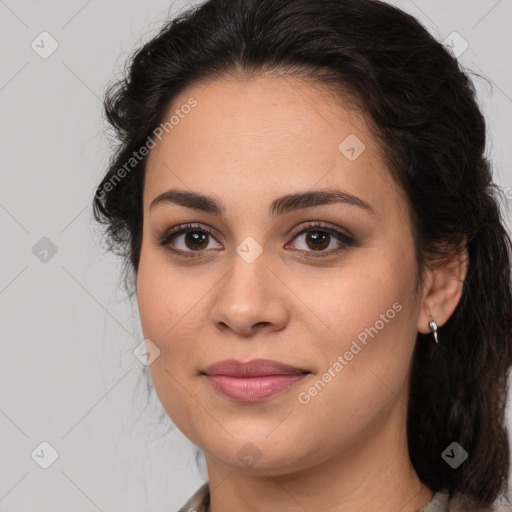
254,368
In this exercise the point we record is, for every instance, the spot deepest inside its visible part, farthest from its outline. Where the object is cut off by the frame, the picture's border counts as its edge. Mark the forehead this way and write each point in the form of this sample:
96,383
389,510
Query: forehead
265,135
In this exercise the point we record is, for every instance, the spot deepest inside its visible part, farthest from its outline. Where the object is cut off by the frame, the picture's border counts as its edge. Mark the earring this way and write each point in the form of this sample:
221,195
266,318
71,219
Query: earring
433,328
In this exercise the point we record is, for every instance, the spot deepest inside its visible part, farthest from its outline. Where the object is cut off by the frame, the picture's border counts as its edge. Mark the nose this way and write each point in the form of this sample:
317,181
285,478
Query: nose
250,299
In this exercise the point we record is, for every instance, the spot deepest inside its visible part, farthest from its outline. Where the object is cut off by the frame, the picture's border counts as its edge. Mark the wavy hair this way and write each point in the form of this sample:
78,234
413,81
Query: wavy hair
422,107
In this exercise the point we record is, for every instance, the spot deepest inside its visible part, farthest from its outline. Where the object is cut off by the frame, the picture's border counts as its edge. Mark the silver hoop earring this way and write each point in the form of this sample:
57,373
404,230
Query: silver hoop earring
433,328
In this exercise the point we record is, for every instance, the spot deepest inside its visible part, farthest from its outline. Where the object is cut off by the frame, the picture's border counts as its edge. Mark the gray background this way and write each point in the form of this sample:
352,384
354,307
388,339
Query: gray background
68,375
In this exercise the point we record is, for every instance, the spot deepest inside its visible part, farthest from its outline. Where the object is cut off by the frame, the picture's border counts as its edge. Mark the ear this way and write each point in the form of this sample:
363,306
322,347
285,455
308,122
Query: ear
442,290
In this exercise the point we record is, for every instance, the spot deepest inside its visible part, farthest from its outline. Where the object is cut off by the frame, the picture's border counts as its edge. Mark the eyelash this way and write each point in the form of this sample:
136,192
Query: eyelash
345,239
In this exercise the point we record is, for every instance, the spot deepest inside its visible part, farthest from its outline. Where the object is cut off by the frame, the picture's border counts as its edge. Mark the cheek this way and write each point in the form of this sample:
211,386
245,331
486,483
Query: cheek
369,307
166,298
163,309
372,312
364,293
155,305
172,317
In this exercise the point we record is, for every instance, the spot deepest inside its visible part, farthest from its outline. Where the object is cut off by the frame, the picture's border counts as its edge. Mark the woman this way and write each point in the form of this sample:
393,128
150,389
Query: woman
321,267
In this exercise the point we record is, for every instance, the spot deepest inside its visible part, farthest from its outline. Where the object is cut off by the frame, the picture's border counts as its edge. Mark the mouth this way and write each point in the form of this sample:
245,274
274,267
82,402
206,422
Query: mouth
254,380
254,368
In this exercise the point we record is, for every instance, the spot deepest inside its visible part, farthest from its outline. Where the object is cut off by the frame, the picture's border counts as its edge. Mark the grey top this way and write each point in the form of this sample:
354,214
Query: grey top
440,502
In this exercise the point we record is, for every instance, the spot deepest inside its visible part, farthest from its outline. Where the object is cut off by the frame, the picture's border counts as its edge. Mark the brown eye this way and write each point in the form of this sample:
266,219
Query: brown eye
316,240
196,240
189,240
319,238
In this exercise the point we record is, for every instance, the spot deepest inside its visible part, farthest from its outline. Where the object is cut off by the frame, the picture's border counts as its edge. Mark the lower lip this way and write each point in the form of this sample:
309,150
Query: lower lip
253,389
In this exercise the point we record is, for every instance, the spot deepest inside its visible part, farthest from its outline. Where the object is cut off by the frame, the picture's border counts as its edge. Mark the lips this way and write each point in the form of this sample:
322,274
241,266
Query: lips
252,381
254,368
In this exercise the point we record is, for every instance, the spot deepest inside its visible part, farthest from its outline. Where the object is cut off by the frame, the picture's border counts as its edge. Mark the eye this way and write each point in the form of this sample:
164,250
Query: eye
318,237
191,240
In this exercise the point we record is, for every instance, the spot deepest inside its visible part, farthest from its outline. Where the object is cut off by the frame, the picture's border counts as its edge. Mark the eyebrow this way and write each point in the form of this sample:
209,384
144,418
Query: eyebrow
279,206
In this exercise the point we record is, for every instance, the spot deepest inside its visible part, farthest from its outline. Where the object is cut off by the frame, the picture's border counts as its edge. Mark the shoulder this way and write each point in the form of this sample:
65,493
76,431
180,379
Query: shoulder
444,501
441,502
463,503
199,501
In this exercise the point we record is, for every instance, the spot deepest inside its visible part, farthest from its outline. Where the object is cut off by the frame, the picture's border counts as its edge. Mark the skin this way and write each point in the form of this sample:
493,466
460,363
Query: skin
248,142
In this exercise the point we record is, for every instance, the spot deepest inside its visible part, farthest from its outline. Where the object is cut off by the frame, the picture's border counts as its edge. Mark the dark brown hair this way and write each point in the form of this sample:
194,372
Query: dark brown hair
421,105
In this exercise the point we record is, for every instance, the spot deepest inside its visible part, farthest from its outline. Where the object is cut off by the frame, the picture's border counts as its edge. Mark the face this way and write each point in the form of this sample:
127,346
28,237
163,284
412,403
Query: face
325,287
